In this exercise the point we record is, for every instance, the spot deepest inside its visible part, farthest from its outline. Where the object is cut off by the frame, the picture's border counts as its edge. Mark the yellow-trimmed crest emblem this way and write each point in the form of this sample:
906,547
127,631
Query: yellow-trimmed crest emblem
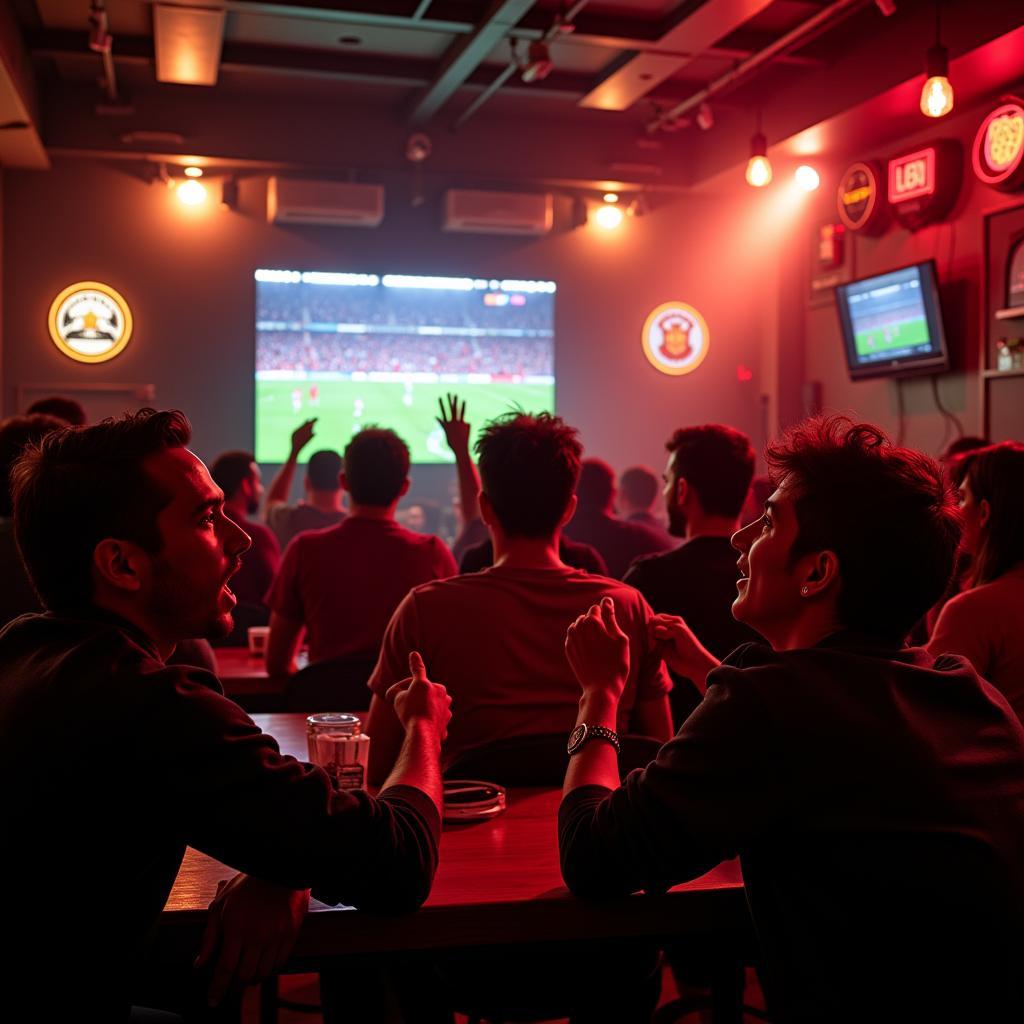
675,338
90,322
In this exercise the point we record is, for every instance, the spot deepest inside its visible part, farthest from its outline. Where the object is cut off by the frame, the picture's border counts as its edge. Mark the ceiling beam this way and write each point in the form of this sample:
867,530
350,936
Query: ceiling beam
635,76
411,72
465,56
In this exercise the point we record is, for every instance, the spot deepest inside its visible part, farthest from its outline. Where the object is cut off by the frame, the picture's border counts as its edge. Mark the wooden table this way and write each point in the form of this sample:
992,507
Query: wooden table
245,679
498,882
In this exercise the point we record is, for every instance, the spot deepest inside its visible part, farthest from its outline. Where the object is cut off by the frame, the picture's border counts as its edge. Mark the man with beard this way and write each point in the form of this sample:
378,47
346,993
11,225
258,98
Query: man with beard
707,477
114,761
238,476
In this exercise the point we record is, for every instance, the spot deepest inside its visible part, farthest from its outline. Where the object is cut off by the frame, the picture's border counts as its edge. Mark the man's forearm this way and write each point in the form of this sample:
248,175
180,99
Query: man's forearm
419,763
281,485
597,764
469,486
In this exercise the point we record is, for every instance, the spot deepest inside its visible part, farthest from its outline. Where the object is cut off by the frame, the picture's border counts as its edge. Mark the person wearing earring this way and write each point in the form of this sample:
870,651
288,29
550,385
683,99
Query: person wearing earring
873,792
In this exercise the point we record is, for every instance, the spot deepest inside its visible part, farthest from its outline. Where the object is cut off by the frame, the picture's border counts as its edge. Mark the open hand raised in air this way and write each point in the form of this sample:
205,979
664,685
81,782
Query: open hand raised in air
453,422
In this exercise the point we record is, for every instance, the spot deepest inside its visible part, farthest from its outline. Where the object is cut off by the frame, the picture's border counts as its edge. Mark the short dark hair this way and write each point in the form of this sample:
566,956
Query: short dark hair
529,466
231,470
718,463
996,475
66,409
323,470
596,485
16,434
885,511
74,488
639,486
376,466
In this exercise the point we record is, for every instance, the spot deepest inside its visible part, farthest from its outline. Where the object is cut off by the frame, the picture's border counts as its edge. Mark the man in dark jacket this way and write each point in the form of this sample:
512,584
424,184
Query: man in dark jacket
874,794
114,761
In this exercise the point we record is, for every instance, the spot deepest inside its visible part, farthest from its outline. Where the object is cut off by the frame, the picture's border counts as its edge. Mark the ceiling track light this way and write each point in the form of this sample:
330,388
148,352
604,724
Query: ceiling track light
937,94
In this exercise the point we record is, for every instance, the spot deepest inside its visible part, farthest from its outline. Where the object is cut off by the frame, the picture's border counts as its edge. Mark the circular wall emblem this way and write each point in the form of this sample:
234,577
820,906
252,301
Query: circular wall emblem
857,199
90,322
675,338
998,156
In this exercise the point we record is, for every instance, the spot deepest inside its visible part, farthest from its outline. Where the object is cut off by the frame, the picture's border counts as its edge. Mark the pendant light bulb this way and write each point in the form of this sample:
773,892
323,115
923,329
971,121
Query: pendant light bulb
759,167
937,94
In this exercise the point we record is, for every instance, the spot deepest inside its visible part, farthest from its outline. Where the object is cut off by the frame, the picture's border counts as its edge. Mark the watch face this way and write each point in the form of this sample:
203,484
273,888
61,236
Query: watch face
576,737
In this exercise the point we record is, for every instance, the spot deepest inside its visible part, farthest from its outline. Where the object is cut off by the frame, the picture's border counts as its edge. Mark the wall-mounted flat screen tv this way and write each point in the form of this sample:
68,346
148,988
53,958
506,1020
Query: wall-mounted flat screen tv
360,349
892,323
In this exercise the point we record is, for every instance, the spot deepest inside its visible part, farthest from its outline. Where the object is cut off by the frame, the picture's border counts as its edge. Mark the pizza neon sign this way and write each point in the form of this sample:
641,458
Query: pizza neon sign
998,155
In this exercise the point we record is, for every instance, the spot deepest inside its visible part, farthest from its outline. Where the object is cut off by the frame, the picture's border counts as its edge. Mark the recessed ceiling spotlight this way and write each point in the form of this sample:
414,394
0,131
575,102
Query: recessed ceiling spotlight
193,172
611,197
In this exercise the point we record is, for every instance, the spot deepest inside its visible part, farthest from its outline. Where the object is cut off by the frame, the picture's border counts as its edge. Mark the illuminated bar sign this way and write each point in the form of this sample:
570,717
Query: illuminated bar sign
924,184
90,322
998,155
675,338
858,197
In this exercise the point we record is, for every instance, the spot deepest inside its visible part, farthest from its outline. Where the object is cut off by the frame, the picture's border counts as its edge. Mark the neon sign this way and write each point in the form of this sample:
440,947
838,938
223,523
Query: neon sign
857,198
912,176
923,185
998,154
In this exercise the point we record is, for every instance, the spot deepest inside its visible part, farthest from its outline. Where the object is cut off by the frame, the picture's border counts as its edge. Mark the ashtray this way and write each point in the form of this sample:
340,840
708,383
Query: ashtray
472,800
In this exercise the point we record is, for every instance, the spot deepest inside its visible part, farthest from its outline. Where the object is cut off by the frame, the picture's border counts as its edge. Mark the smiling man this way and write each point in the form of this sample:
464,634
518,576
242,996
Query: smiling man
113,761
874,793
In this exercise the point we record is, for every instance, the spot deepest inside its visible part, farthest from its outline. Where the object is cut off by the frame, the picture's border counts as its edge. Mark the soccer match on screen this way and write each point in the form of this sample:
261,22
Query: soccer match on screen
359,349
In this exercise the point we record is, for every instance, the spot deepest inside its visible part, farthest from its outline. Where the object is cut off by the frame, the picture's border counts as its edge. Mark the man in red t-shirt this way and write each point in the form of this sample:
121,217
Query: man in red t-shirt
496,638
340,585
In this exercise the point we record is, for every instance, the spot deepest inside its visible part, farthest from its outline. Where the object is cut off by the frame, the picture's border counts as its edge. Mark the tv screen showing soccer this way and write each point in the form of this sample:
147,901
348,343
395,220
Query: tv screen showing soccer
364,349
892,322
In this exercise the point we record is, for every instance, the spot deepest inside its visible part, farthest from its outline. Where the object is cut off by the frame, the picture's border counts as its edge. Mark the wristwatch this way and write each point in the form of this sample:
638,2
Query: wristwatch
583,733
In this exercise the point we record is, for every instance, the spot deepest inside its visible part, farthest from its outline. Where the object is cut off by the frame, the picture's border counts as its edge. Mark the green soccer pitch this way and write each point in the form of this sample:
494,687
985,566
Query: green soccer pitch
904,334
343,407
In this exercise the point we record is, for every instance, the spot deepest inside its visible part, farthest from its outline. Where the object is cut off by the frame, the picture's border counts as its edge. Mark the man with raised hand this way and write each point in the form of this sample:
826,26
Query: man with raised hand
321,504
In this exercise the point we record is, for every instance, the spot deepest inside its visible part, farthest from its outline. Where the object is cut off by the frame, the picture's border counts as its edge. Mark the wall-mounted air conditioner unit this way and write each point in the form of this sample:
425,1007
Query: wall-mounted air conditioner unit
497,213
336,203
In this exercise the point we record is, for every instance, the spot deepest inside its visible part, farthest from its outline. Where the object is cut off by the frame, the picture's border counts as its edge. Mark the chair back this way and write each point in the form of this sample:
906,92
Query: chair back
540,760
338,684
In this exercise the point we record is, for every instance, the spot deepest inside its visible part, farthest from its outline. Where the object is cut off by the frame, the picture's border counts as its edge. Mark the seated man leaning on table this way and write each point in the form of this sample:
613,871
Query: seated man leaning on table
113,762
874,793
497,637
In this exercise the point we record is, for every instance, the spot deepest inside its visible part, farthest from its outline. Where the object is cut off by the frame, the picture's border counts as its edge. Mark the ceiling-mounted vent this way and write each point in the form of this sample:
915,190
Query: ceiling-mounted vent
339,204
497,213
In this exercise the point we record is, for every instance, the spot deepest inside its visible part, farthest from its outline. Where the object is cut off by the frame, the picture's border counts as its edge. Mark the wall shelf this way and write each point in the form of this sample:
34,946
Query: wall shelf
996,374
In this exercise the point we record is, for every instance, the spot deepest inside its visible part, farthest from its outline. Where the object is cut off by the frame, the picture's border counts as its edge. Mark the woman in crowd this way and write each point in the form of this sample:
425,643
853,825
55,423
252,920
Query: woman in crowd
985,623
